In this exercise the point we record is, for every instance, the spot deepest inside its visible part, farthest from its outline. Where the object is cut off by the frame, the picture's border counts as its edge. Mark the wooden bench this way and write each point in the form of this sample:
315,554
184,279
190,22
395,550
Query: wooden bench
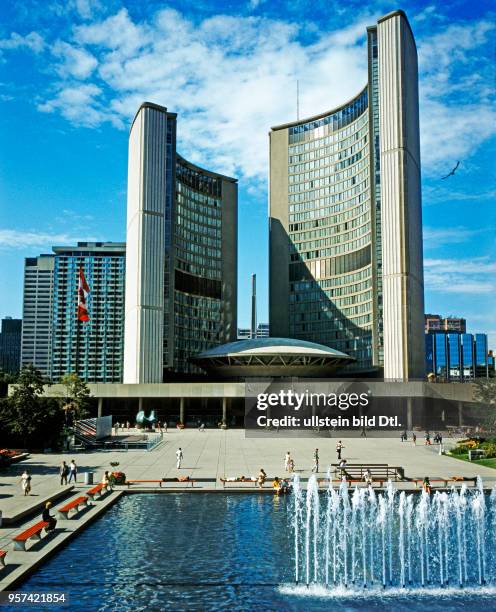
76,504
188,480
225,481
3,554
380,471
130,482
33,532
444,481
97,490
375,481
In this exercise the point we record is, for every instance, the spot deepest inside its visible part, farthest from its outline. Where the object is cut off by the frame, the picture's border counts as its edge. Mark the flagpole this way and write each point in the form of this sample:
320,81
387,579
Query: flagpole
78,329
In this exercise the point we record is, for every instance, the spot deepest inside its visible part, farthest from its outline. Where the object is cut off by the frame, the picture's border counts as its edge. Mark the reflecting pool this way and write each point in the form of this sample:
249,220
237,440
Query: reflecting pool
213,551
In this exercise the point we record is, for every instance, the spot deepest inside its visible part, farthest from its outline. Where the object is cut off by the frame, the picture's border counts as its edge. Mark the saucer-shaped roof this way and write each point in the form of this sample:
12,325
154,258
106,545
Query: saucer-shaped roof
271,357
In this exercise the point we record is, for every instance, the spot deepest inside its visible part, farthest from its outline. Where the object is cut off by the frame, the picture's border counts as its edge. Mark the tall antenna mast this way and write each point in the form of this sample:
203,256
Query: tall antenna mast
253,331
297,99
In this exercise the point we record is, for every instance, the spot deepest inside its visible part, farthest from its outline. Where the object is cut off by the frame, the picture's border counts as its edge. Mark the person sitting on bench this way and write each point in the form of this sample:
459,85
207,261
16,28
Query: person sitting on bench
426,485
368,476
261,478
46,516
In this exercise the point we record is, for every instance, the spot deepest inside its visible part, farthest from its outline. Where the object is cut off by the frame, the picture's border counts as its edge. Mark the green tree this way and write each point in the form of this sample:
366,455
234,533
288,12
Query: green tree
78,396
26,414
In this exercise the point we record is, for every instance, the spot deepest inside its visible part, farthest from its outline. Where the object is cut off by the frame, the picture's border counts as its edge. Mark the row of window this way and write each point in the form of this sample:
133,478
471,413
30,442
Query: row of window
345,198
337,238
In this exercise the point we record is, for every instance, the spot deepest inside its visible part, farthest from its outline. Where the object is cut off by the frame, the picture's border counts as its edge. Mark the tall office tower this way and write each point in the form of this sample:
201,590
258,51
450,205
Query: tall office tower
181,295
10,345
346,264
37,312
92,349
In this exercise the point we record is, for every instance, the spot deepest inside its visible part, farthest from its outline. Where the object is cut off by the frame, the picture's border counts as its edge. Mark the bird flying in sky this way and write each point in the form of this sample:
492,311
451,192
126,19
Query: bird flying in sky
452,172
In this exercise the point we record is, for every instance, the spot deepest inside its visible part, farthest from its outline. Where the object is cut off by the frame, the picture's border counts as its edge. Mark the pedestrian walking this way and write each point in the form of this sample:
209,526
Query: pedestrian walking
64,472
26,482
287,459
427,438
414,439
315,467
73,471
339,448
128,425
179,457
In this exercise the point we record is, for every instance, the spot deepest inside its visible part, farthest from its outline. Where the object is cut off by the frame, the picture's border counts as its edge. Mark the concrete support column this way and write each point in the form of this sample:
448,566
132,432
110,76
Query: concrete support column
140,404
460,414
409,414
224,411
100,406
181,410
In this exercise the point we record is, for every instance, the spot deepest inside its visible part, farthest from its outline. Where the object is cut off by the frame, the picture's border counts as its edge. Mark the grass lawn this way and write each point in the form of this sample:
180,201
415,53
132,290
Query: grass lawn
486,462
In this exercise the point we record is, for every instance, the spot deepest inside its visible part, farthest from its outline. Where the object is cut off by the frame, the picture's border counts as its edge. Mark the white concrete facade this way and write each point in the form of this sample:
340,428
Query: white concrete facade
144,311
402,258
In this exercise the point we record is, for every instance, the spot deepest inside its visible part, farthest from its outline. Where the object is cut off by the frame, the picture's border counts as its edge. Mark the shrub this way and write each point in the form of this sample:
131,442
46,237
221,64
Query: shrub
117,478
490,448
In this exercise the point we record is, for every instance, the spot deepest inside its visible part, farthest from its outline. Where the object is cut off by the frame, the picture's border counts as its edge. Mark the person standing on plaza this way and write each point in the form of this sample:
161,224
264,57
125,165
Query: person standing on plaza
64,472
179,458
26,482
414,439
315,467
339,448
427,438
127,425
287,459
73,471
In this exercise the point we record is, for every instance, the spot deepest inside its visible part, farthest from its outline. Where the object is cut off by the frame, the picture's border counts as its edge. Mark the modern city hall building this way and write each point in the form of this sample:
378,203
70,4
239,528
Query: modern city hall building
346,265
181,294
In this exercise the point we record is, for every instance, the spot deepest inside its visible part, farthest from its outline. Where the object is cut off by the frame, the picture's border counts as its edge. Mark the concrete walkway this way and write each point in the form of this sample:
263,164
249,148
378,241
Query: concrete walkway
215,454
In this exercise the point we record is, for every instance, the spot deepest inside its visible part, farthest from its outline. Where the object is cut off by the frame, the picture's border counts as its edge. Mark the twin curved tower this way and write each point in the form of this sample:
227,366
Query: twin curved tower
345,255
346,263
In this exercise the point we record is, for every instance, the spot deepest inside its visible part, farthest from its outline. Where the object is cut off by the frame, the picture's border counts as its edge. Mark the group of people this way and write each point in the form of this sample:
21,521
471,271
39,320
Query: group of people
68,472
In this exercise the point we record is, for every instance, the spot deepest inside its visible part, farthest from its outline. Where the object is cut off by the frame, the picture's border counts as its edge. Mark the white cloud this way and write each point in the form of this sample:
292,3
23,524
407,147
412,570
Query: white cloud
32,41
231,78
461,276
439,236
80,104
457,110
22,239
76,62
87,8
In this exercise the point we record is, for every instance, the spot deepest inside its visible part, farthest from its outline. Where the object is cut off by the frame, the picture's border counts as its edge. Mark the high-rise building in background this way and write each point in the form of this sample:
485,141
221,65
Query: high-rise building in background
181,269
37,312
10,345
94,349
262,331
52,339
346,264
457,356
436,323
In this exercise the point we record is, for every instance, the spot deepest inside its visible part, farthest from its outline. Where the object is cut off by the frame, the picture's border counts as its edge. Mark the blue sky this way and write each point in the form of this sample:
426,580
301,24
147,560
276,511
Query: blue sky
73,72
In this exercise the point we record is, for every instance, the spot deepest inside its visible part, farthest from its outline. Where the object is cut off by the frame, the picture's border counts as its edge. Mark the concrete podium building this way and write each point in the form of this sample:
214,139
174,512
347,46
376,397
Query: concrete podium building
346,264
181,266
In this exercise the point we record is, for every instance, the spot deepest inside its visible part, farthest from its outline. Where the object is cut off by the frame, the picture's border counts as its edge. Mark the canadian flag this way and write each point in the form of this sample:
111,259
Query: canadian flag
83,290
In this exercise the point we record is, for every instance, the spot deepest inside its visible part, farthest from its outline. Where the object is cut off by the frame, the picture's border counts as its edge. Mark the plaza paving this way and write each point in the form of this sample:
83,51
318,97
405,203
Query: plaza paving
208,455
214,454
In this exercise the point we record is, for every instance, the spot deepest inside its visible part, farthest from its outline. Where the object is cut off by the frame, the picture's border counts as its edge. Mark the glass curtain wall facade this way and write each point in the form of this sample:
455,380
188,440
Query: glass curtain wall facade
93,350
181,269
37,312
456,356
345,231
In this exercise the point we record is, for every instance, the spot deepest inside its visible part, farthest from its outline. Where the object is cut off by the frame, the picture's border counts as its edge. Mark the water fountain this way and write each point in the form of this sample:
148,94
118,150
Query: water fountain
363,539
